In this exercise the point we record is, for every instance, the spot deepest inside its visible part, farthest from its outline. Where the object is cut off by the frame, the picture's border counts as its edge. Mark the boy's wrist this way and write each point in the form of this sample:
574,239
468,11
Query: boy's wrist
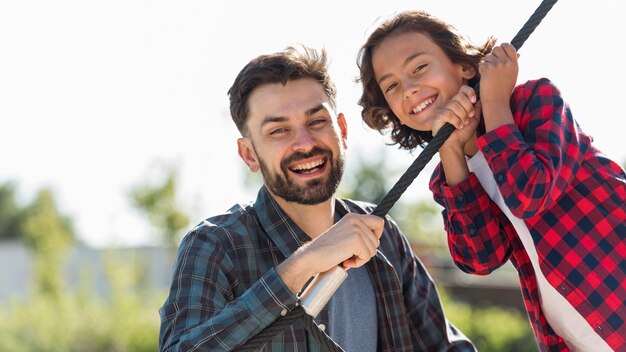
496,115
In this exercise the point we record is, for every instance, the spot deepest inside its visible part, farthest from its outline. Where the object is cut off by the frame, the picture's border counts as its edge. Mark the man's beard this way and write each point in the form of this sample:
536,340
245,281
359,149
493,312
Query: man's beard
315,191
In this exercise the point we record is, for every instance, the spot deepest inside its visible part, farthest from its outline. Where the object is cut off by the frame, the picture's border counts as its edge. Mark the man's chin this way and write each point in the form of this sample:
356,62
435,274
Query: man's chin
303,197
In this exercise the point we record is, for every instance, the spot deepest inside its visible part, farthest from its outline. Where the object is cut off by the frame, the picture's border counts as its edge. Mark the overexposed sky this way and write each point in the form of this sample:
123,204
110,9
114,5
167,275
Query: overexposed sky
93,94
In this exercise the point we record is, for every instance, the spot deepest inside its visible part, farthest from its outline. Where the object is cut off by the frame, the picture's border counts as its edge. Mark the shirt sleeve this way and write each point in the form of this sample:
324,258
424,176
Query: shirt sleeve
535,160
478,231
431,330
201,311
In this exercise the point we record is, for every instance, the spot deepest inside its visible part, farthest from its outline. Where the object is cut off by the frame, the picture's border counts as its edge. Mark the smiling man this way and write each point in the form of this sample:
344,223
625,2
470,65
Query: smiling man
237,272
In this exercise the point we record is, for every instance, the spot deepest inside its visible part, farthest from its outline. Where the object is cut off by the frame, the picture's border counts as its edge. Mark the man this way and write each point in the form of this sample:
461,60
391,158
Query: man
238,272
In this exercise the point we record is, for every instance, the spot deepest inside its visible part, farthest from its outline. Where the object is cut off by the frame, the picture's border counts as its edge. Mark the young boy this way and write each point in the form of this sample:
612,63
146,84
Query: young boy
526,184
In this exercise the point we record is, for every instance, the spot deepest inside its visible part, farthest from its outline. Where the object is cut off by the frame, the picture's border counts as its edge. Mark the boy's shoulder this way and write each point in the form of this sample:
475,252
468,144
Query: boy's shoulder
541,86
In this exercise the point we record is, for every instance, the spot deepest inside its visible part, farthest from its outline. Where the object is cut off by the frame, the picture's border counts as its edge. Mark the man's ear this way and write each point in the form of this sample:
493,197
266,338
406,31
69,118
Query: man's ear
247,153
343,127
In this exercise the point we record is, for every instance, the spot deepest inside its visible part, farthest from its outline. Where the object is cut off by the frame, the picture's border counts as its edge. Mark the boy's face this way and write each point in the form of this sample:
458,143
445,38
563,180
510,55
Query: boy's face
295,140
416,77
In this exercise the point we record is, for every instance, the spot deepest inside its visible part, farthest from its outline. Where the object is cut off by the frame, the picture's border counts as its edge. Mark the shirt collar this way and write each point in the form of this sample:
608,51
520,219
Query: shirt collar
280,229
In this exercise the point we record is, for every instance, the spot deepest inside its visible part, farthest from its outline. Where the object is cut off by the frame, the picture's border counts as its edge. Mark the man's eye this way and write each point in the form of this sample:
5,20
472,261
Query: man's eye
318,122
419,68
277,131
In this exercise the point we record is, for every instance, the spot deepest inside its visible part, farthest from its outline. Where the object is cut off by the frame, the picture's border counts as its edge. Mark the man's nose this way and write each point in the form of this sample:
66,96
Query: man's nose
303,140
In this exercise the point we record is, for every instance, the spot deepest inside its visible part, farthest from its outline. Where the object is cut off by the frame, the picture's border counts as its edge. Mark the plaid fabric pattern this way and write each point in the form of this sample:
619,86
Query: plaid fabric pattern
225,289
572,199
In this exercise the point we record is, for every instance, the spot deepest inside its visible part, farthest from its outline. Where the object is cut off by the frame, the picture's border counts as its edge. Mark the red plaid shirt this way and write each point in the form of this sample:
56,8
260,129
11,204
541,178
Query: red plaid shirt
573,201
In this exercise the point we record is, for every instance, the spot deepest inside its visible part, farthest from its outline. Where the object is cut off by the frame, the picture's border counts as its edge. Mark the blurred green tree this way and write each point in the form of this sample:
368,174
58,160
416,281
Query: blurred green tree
158,202
11,214
49,234
368,182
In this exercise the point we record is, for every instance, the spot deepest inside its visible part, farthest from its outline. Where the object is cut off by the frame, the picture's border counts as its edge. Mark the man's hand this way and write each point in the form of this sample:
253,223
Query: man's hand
352,242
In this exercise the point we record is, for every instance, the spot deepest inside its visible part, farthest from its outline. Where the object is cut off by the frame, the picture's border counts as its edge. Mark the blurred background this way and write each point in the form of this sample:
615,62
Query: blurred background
115,139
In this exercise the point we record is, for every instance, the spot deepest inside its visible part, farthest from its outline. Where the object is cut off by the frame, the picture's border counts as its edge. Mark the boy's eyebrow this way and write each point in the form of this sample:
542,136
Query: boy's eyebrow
311,111
406,62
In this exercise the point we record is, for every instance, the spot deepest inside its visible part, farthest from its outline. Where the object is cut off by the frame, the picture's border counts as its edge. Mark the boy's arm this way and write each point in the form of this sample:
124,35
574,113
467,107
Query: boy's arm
478,231
536,159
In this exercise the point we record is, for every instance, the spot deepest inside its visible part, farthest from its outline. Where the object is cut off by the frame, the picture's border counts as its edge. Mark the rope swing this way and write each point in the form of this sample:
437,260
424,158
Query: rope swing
303,311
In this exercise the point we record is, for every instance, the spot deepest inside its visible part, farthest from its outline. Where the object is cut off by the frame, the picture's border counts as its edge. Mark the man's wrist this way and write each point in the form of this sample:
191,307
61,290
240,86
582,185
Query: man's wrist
295,271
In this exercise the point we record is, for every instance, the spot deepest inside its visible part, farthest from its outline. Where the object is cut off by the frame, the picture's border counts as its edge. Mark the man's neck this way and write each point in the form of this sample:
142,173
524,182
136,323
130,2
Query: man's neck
312,219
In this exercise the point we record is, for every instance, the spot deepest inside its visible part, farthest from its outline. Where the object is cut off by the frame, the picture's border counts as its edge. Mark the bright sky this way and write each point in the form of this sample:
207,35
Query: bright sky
94,93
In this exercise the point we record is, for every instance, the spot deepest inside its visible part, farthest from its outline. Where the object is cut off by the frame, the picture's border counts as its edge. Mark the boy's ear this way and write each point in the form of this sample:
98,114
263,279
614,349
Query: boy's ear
247,153
468,71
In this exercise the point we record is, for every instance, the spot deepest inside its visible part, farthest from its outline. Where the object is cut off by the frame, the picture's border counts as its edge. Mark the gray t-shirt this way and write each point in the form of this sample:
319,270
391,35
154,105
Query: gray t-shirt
352,313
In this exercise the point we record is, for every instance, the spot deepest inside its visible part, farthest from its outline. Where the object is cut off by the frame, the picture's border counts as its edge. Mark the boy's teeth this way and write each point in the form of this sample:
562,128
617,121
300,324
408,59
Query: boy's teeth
422,106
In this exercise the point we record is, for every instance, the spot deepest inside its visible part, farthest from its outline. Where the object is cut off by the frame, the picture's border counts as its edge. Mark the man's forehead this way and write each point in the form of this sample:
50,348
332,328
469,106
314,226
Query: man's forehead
296,98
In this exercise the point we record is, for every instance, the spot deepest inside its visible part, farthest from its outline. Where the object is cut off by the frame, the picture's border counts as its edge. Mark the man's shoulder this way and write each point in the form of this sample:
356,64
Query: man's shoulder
227,228
357,206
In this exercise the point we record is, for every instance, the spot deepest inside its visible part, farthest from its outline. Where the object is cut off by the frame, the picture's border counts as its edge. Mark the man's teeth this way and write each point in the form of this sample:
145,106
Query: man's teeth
308,166
422,106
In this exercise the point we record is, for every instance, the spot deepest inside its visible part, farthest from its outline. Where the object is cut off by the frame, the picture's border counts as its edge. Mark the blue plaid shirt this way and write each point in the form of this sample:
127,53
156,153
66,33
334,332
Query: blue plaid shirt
225,289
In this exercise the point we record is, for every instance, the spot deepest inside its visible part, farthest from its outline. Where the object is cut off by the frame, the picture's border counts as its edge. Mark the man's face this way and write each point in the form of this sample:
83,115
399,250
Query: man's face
295,140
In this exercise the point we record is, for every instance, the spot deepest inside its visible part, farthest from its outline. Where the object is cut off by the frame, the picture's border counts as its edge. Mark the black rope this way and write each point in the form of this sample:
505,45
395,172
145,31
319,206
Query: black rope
385,205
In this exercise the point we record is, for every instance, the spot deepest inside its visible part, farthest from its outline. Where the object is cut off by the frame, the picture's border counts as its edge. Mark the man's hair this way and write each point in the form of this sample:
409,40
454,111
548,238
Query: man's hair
376,113
281,67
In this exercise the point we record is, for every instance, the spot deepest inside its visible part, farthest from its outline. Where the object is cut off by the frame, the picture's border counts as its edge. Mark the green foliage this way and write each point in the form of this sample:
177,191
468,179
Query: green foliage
45,229
422,223
126,321
159,203
368,182
11,214
49,235
491,329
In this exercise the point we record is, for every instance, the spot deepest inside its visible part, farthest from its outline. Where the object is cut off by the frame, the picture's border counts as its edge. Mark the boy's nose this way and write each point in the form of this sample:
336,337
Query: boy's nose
410,88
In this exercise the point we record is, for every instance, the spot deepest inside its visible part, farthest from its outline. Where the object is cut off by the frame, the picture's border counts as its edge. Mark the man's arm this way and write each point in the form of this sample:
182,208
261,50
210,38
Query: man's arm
201,309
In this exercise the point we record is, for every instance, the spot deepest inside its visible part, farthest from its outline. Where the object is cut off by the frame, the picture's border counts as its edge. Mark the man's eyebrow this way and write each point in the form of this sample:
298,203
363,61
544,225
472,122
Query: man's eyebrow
270,119
315,109
311,111
406,62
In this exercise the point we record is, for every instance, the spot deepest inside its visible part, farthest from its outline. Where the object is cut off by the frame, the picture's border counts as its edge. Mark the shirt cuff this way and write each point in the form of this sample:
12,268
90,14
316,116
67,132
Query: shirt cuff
461,196
271,296
495,142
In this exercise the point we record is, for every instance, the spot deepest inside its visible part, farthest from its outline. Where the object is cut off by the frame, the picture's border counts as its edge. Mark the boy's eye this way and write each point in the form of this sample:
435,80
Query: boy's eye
390,87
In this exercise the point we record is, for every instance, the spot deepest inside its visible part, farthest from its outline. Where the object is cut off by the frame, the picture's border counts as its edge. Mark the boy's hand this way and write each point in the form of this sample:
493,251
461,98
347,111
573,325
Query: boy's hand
462,112
498,75
498,72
